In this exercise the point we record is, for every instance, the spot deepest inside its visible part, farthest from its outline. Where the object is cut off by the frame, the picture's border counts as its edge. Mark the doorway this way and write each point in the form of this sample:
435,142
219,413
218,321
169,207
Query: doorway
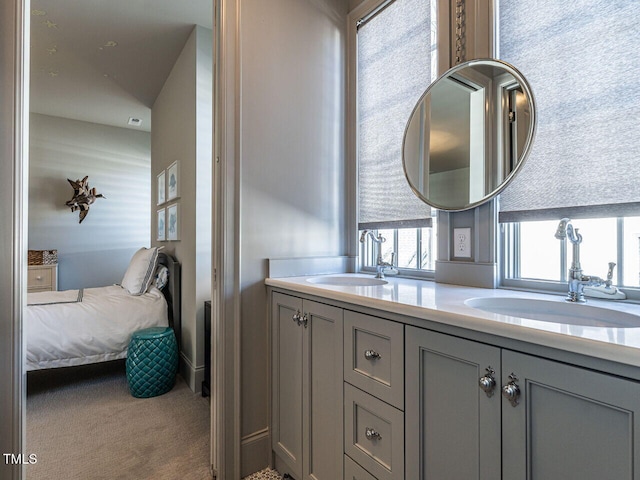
14,63
105,61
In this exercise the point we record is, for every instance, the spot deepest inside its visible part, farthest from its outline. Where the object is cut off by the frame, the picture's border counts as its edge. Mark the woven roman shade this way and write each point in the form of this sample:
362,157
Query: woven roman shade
394,54
581,59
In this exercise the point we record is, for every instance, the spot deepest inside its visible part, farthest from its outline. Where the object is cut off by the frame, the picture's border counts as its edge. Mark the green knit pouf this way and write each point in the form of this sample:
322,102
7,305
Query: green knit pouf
152,362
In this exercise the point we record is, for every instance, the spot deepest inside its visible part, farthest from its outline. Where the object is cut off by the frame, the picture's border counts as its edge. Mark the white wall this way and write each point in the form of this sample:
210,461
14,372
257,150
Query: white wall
292,169
181,130
118,162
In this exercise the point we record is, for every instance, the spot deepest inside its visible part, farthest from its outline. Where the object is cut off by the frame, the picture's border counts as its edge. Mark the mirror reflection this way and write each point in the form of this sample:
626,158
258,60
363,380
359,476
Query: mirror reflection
468,134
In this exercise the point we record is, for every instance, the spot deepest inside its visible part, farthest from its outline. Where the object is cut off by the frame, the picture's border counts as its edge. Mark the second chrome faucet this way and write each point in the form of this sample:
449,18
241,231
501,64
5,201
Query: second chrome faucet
595,286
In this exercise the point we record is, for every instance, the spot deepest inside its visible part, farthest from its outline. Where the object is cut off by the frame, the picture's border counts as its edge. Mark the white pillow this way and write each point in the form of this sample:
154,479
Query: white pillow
140,271
162,277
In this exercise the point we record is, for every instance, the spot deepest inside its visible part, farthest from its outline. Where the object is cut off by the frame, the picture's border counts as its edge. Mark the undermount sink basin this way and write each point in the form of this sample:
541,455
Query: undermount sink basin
347,280
556,312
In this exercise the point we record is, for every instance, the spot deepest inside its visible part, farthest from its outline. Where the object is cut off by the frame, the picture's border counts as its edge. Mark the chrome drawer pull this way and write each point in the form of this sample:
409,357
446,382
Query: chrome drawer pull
372,355
372,434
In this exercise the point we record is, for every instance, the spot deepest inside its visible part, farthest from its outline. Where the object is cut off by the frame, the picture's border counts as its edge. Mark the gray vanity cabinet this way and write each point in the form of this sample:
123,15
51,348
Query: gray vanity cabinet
452,426
570,423
422,405
565,422
307,376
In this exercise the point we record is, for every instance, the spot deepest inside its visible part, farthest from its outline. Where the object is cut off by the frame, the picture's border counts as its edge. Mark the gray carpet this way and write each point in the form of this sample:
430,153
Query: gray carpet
82,423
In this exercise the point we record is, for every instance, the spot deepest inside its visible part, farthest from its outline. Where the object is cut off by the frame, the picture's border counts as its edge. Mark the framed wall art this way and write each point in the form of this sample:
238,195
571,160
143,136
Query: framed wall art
173,181
161,184
161,235
173,222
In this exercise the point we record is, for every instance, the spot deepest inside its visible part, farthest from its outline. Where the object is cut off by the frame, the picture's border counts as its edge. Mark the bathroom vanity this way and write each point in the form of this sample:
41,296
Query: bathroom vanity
418,380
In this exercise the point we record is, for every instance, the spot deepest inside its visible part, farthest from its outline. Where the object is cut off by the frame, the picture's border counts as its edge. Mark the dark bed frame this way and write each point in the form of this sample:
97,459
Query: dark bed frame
172,292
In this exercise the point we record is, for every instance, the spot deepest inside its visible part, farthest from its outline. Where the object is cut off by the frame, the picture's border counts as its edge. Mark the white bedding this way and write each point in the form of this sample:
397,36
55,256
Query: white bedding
87,326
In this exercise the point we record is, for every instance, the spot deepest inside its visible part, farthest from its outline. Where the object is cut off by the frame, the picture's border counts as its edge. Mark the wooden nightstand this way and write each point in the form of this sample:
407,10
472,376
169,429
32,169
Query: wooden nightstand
42,278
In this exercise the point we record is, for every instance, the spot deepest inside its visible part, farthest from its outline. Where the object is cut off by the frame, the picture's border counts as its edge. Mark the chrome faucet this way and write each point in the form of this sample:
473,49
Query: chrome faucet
577,280
381,265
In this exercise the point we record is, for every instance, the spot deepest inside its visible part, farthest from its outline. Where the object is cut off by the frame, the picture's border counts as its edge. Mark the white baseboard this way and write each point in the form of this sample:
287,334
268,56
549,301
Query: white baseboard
192,375
254,452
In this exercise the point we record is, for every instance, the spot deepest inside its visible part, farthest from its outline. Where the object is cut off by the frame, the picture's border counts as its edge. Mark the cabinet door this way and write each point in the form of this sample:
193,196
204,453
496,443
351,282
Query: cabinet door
570,423
322,392
452,426
287,372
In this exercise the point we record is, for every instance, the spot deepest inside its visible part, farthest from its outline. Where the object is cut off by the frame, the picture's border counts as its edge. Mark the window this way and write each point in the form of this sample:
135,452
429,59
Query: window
579,60
396,54
414,249
540,256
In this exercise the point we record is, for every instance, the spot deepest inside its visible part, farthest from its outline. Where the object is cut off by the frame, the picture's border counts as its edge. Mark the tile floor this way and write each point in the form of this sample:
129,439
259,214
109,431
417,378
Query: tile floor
266,474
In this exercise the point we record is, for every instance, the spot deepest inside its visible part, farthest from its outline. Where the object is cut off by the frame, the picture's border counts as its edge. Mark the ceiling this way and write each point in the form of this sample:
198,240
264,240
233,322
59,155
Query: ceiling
104,61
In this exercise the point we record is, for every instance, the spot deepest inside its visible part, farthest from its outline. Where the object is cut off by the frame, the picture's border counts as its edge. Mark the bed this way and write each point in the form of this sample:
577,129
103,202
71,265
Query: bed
92,325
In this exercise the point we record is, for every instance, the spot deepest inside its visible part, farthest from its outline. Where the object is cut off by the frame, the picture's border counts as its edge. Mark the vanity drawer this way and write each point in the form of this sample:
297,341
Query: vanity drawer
353,471
42,278
374,356
374,434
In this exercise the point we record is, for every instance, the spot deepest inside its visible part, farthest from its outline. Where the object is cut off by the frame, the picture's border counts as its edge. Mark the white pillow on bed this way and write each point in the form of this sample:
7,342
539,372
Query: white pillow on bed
140,271
161,277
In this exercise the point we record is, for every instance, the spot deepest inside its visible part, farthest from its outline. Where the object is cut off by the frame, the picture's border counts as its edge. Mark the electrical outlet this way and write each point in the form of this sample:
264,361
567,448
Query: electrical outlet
462,242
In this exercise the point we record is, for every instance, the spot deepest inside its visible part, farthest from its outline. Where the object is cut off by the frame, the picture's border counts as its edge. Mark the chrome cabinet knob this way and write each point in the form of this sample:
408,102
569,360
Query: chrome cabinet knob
300,319
371,434
488,382
511,391
372,355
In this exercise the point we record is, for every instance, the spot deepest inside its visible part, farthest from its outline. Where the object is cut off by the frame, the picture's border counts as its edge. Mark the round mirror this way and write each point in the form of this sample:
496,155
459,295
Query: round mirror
469,134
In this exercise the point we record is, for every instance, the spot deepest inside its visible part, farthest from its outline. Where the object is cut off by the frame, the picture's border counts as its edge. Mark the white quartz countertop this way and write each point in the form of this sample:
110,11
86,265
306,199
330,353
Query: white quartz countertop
446,304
